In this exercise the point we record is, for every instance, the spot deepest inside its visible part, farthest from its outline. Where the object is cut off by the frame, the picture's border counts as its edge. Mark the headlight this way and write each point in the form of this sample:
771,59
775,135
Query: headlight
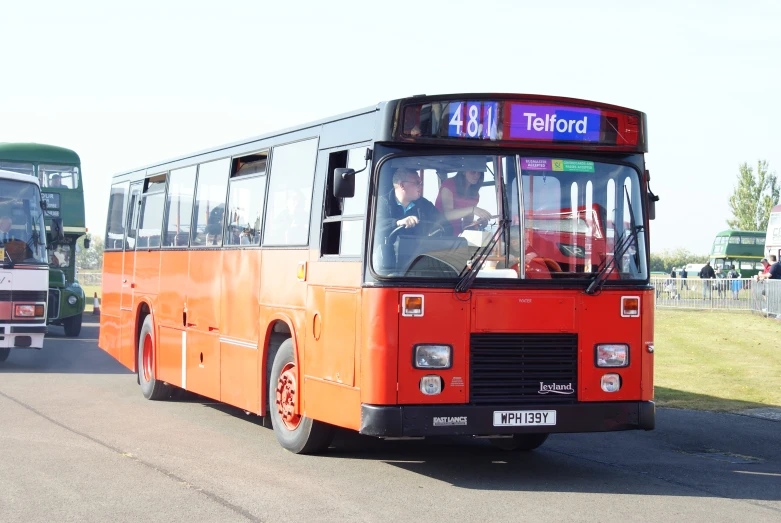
611,382
431,385
612,355
72,300
432,356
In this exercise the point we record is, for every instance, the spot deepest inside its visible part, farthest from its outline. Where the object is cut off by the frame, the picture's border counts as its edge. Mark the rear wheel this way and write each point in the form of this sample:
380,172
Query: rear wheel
151,388
522,442
72,325
4,352
295,432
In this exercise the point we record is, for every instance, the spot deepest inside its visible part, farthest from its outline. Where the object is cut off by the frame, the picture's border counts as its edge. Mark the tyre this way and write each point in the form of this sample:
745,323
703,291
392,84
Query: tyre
4,352
296,433
72,325
151,388
522,442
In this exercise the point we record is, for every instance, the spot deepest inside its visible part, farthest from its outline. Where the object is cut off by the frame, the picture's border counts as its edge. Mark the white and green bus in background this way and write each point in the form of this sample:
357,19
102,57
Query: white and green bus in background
24,269
58,171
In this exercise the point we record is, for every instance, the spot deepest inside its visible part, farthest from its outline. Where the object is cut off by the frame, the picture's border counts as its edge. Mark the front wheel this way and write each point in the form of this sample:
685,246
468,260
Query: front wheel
522,442
295,432
72,325
4,352
151,388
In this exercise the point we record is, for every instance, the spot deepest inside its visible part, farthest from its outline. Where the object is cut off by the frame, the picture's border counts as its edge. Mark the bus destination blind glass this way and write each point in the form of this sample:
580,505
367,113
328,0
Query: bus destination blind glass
513,121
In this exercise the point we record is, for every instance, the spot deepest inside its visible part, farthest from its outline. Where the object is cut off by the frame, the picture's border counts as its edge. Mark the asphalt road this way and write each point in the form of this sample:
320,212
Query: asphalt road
78,442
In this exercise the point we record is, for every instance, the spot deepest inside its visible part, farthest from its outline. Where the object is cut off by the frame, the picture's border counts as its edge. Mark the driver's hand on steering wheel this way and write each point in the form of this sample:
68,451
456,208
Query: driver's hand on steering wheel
409,221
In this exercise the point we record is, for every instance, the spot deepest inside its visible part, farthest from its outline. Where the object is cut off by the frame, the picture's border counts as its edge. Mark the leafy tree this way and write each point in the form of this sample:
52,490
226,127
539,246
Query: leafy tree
669,258
91,258
753,198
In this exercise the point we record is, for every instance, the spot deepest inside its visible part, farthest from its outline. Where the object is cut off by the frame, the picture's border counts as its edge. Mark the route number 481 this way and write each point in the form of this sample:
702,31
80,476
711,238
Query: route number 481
472,120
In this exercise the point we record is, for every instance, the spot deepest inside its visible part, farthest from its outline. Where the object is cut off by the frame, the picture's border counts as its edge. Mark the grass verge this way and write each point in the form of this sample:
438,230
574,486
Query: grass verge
721,361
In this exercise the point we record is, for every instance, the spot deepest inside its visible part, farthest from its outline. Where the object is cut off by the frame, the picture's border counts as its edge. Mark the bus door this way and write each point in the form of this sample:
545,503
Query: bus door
127,352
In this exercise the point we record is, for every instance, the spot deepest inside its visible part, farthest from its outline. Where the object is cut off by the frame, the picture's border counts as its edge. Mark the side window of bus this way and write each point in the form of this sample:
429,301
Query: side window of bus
117,217
344,218
179,206
210,203
132,214
150,220
290,194
246,197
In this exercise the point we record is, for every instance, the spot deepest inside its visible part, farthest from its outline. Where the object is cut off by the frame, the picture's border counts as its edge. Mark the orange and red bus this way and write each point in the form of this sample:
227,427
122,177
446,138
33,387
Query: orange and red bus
306,276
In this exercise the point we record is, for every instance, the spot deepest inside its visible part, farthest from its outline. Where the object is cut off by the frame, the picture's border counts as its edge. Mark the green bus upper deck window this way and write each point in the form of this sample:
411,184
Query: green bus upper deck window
58,176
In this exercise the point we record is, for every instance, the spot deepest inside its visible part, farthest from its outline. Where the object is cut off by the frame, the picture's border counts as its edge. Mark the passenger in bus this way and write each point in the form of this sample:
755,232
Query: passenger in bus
55,180
290,225
5,228
458,198
406,207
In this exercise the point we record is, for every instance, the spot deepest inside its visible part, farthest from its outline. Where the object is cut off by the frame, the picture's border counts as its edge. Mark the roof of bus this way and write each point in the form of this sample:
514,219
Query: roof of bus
10,175
735,232
37,153
392,104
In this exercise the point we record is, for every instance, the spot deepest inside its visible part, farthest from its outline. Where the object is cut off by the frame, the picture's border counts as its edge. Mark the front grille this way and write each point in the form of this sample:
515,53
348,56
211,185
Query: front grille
507,369
54,304
22,295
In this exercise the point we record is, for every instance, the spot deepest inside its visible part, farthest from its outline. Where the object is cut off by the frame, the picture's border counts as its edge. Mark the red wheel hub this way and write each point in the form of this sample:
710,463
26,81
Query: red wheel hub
287,389
146,358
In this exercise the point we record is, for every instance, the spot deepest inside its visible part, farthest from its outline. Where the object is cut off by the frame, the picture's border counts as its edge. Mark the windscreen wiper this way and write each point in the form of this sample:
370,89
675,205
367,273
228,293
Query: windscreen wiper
473,266
621,248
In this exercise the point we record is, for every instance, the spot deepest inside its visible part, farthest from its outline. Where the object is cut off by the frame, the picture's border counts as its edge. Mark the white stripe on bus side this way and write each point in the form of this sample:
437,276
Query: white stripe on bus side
184,360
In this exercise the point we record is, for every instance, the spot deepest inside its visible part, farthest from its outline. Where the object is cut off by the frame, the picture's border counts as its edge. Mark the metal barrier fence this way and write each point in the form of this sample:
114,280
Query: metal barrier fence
90,278
740,294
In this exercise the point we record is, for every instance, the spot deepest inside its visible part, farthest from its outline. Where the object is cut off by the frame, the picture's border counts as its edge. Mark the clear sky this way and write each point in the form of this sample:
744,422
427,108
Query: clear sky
131,85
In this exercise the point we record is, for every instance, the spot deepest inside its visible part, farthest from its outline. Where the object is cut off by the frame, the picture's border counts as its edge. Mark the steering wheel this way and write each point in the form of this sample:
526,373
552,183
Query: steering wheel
436,230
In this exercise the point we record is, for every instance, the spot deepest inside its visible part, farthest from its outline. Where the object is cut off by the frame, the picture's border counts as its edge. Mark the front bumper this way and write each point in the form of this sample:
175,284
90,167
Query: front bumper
397,421
22,336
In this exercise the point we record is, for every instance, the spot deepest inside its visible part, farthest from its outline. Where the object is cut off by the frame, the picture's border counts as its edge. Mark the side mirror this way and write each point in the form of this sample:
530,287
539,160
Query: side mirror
86,243
57,233
344,183
652,199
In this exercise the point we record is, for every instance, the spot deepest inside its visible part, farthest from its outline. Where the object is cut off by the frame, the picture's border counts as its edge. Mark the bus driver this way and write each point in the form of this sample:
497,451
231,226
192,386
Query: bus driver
405,207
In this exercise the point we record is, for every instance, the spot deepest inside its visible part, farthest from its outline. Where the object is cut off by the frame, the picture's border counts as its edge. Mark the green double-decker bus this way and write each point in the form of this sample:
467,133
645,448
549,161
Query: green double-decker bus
742,250
59,172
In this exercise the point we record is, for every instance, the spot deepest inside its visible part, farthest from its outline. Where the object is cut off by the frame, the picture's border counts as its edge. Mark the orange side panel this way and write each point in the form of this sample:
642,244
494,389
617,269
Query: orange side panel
601,322
239,380
203,319
445,321
112,277
332,315
128,347
169,355
333,403
240,288
203,364
647,313
147,273
279,285
174,284
380,335
128,313
109,338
